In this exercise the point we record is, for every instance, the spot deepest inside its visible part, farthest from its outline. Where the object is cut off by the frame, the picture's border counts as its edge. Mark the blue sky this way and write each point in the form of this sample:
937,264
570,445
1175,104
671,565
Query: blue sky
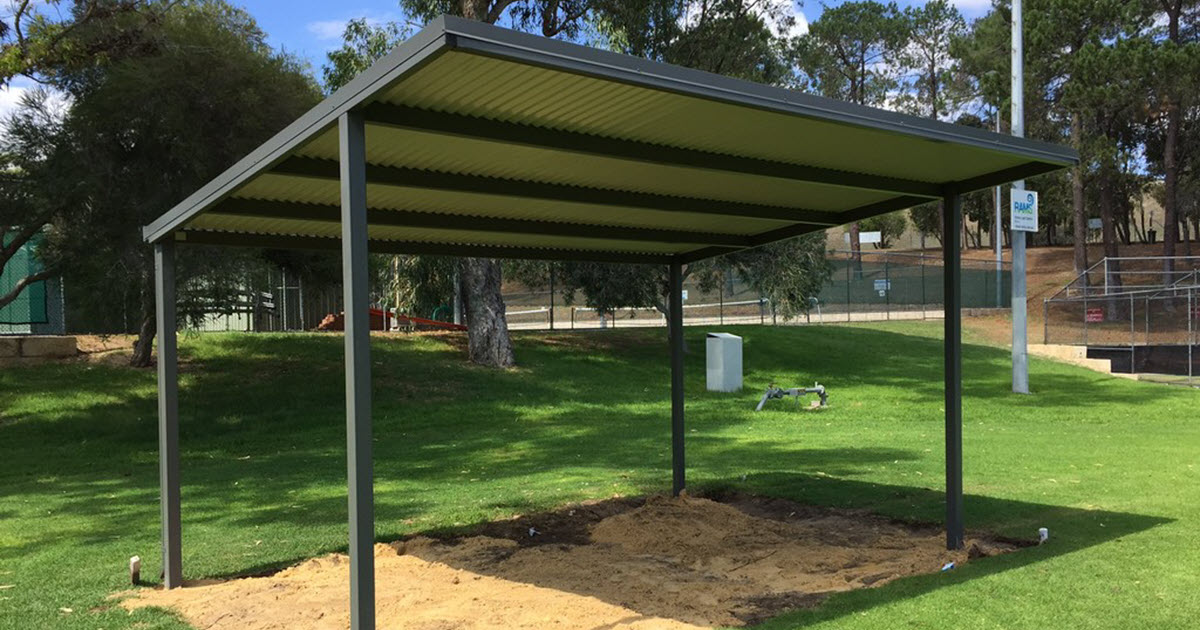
310,28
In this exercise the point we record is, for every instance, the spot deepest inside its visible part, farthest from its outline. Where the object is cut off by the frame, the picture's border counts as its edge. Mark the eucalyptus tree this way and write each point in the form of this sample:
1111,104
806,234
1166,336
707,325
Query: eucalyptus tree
1056,31
852,53
34,43
180,93
928,60
1176,90
1108,97
26,151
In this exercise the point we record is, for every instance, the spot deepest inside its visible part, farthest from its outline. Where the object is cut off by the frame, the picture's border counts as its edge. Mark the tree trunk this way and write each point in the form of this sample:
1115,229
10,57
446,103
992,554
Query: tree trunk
1078,209
1170,190
1170,163
1109,223
856,250
488,342
1186,238
1117,310
143,348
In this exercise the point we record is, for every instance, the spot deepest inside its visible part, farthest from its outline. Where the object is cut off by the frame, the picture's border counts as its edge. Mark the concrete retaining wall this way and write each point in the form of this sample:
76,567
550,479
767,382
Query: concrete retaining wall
37,347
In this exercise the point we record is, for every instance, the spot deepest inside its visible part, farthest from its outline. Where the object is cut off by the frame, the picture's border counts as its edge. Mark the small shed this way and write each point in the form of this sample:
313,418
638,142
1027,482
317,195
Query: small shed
474,140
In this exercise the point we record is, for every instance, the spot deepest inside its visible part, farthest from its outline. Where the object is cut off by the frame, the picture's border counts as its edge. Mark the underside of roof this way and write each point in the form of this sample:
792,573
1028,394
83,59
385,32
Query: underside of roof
486,142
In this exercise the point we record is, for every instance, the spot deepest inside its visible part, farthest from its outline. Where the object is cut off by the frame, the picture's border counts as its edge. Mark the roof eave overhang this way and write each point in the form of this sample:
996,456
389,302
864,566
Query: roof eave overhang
446,33
413,53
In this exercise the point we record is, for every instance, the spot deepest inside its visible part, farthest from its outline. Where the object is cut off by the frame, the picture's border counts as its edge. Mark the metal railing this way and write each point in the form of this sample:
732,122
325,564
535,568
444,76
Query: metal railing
1129,273
1141,326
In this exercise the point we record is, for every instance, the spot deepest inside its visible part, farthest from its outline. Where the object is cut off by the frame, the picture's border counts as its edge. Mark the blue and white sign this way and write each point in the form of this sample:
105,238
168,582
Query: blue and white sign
1023,210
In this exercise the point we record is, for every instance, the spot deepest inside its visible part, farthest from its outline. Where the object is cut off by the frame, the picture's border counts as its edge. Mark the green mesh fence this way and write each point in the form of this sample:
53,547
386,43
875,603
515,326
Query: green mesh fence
888,282
30,307
876,286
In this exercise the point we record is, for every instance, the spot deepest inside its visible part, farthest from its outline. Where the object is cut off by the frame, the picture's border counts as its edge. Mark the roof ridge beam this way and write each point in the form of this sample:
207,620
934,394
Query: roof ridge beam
319,168
416,119
431,220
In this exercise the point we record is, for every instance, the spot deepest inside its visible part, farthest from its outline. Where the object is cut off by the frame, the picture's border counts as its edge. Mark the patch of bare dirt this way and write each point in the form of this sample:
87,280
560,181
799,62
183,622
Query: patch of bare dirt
663,563
89,344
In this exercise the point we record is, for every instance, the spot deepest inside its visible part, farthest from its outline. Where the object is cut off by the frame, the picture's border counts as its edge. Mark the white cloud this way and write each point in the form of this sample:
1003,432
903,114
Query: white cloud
329,30
783,17
981,6
10,98
325,30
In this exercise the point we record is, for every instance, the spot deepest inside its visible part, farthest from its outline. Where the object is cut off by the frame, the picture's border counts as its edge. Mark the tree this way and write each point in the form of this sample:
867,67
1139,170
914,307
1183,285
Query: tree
850,53
1055,33
927,219
890,226
1176,64
26,144
932,29
33,43
362,44
786,272
180,94
1107,96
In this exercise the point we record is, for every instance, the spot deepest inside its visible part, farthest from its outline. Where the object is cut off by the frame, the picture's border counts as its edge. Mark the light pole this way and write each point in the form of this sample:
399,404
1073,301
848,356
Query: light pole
1020,358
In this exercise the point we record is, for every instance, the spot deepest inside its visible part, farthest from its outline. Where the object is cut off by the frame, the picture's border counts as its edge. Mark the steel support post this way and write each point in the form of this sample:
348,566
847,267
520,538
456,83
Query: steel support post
952,279
352,147
676,340
721,301
168,412
1046,322
998,236
887,283
1132,337
849,263
923,298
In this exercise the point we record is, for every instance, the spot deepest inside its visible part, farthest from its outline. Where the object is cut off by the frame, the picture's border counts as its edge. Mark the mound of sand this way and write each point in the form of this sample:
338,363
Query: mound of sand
670,564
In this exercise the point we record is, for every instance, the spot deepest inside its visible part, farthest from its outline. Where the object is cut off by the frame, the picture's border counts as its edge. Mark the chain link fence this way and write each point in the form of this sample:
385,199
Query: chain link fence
879,285
39,308
870,286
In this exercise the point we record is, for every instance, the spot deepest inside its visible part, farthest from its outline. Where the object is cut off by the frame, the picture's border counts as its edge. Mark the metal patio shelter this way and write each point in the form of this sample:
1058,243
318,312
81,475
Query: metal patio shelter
474,140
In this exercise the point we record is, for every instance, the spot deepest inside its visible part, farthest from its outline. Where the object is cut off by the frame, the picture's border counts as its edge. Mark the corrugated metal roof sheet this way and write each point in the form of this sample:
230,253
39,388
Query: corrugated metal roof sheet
547,98
485,125
272,187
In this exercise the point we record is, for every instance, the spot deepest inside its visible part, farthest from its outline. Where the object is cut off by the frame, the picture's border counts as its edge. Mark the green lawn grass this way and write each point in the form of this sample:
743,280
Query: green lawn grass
1108,465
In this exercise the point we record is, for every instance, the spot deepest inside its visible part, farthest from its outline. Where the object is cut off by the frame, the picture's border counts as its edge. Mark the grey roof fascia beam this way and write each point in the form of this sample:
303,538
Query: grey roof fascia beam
848,216
999,178
408,218
405,58
426,121
791,231
491,41
316,168
283,241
